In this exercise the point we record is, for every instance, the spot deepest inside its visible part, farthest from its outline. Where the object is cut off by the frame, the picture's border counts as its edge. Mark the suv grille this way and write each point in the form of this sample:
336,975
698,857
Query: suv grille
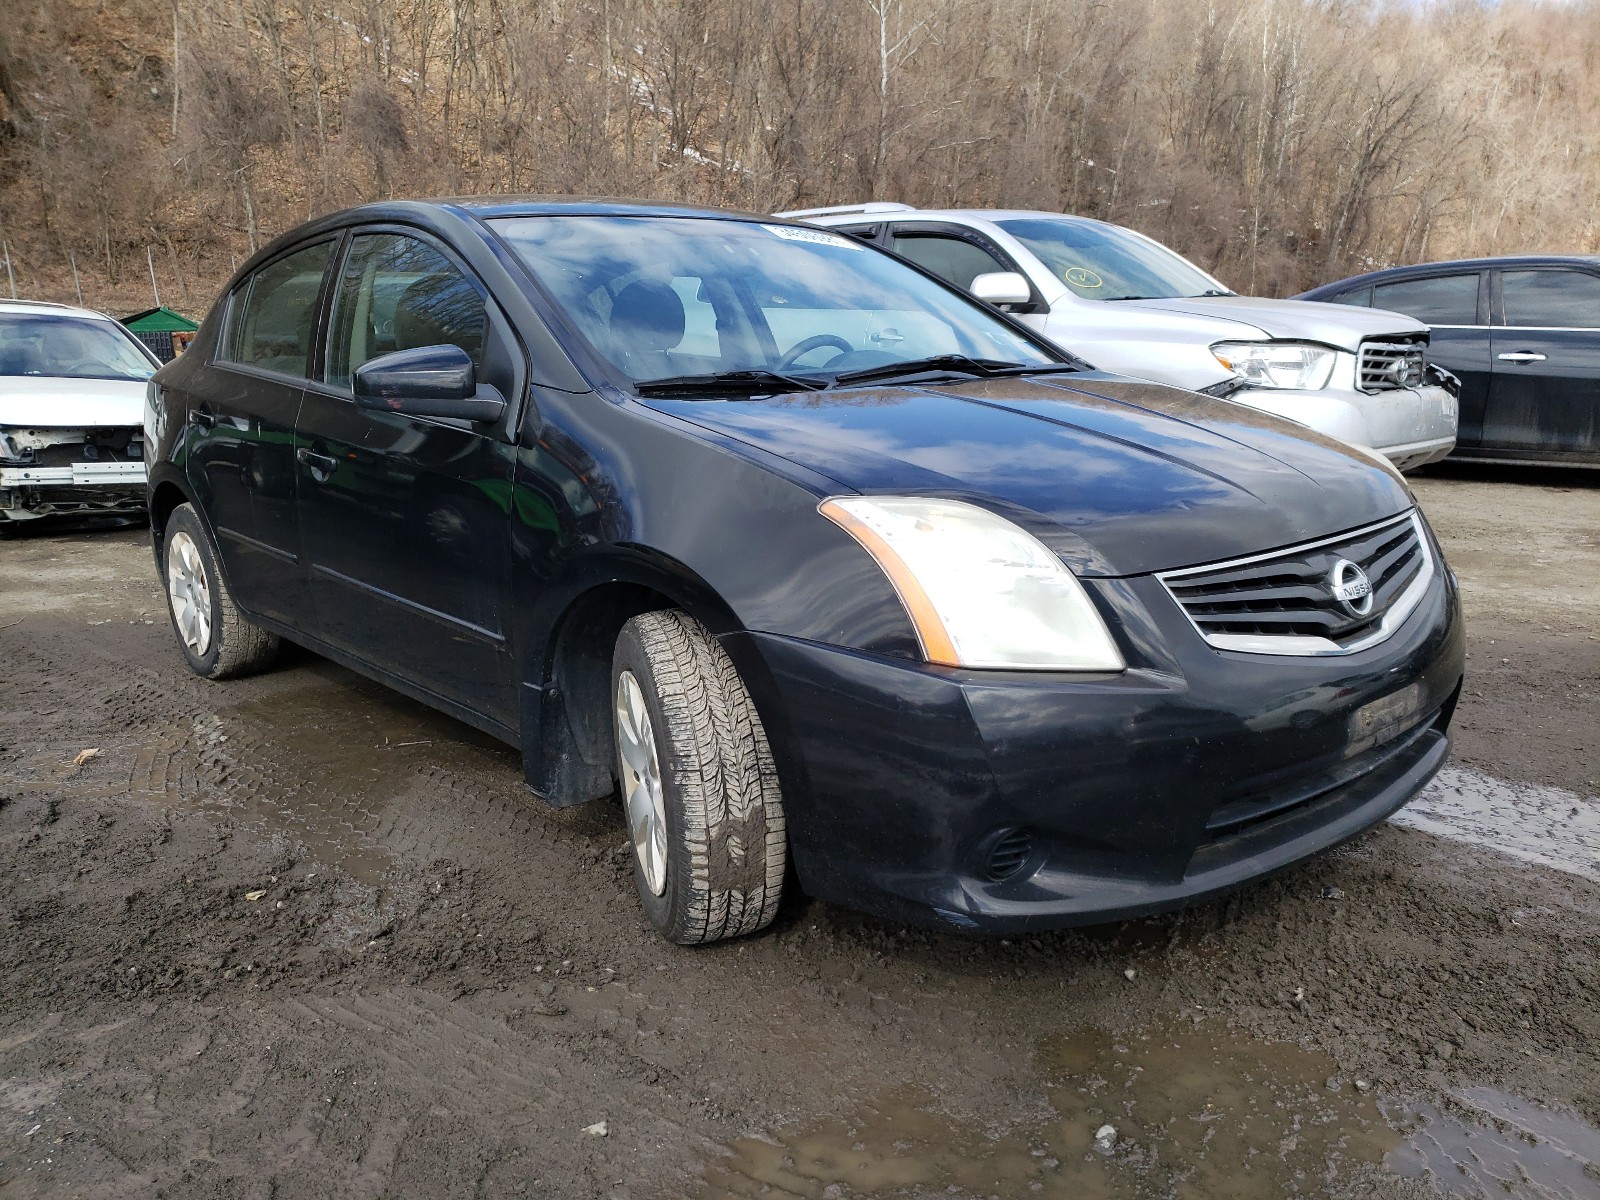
1384,366
1310,599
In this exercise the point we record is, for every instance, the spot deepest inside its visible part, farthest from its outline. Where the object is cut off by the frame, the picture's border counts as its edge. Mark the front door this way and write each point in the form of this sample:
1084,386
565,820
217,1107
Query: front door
241,453
1545,394
405,520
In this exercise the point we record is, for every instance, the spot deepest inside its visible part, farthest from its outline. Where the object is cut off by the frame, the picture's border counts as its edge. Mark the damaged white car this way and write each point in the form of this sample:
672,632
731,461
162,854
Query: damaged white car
72,387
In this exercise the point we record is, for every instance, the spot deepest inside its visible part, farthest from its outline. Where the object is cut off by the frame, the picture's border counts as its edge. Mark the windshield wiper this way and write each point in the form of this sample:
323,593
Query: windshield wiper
1212,292
959,363
739,383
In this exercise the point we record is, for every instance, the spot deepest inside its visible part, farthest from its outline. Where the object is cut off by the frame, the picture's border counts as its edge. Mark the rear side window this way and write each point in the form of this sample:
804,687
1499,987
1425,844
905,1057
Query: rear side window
1551,299
275,311
1440,300
950,258
398,293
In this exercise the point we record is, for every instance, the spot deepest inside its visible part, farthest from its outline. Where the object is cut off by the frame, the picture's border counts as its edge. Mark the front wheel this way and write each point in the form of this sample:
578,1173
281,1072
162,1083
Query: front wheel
216,639
698,782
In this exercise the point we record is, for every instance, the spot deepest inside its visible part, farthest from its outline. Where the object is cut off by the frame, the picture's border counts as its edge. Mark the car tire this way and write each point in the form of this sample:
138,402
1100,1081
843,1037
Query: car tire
698,783
217,641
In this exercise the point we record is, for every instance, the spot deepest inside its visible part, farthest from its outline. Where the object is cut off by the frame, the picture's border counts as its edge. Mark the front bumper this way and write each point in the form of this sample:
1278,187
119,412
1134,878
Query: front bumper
1409,426
1189,774
80,488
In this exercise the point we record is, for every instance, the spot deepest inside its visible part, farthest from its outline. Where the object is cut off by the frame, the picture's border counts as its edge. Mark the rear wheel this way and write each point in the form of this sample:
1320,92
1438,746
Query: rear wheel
705,815
216,639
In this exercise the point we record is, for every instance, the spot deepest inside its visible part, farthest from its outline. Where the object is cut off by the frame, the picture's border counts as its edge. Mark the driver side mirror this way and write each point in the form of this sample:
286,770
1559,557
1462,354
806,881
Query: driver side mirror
1001,287
427,381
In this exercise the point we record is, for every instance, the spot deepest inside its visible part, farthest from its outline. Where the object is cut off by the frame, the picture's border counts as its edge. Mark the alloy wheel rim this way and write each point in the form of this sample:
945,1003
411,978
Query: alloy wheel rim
642,794
190,593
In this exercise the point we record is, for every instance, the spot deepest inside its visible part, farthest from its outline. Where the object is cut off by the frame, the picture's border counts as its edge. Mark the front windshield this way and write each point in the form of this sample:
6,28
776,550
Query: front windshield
666,297
69,348
1102,262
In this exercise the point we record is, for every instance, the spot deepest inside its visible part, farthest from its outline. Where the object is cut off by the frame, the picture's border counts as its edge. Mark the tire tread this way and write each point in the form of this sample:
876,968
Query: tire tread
730,804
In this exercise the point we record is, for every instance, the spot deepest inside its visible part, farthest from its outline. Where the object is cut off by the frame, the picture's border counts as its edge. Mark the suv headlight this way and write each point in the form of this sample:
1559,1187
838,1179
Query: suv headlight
980,591
1298,365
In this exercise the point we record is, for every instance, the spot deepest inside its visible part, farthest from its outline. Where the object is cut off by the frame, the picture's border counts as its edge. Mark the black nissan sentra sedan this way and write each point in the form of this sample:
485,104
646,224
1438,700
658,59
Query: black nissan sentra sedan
807,555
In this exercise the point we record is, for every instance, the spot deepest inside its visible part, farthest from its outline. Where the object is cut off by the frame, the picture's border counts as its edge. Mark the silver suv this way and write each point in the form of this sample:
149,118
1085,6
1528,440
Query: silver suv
1128,304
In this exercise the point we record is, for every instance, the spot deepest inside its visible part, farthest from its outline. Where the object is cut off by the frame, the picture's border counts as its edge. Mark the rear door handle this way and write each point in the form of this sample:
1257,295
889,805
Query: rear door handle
1522,356
323,464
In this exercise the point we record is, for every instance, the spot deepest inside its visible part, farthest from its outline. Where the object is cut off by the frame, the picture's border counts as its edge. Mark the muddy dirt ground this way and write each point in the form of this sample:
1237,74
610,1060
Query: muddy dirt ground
296,936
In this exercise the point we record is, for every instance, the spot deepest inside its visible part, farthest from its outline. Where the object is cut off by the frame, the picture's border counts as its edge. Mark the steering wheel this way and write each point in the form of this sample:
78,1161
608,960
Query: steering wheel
815,342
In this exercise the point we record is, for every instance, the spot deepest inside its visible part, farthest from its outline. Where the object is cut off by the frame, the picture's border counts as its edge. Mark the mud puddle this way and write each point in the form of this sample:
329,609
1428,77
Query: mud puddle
1544,825
344,774
1189,1114
1493,1145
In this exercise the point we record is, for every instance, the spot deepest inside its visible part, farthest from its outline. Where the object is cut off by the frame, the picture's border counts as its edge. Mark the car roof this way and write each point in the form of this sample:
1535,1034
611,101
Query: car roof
466,211
876,213
49,308
487,207
1450,266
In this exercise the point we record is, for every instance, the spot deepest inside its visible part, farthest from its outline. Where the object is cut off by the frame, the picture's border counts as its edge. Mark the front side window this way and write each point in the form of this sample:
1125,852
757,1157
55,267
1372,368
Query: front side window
69,348
1103,262
1359,297
660,297
1551,299
1440,300
951,258
398,293
275,311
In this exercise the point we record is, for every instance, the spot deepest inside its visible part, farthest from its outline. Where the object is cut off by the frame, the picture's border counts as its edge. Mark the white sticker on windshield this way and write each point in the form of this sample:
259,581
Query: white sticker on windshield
792,233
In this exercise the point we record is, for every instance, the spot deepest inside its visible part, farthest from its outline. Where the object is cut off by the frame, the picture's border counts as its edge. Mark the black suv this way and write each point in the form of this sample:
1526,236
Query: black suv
1523,336
809,556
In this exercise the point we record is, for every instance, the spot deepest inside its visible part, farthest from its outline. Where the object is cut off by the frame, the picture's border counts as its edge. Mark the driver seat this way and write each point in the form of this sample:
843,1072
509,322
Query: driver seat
647,321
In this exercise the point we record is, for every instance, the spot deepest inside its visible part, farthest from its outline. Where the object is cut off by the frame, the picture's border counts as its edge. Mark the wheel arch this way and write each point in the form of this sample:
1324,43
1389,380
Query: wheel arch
566,693
165,495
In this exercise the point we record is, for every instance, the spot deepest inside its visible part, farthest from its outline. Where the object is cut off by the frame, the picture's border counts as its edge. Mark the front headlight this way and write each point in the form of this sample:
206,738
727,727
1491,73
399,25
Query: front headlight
981,591
1297,365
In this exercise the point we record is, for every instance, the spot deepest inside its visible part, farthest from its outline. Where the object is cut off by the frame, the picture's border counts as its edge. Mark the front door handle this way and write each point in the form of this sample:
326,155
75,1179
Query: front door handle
1522,356
322,465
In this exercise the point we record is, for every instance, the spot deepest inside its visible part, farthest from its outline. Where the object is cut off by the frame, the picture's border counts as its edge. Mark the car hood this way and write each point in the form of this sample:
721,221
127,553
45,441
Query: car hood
1118,476
40,402
1341,325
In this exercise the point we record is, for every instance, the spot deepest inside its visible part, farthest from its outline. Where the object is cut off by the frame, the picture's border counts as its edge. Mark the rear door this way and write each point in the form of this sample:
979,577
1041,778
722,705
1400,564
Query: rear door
405,520
1455,307
241,453
1545,395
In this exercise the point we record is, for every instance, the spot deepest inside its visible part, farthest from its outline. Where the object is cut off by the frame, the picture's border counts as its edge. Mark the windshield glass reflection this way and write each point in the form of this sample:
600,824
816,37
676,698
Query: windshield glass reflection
662,298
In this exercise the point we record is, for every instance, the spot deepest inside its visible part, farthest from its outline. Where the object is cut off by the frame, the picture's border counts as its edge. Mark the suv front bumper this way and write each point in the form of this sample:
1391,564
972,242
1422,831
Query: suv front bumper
1409,426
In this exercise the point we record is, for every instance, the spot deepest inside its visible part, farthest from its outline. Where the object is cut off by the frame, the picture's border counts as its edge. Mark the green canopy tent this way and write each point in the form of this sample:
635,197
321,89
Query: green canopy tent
155,327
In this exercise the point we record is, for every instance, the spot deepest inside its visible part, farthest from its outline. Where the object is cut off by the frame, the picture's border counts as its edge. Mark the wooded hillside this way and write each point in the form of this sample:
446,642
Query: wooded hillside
1279,143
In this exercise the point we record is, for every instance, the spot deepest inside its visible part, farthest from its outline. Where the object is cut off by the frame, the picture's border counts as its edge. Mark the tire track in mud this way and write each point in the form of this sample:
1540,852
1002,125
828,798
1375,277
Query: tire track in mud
310,752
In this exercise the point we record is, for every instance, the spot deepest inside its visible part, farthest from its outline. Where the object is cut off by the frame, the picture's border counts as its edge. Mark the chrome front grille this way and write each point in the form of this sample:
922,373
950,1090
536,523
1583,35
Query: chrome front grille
1309,599
1384,366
